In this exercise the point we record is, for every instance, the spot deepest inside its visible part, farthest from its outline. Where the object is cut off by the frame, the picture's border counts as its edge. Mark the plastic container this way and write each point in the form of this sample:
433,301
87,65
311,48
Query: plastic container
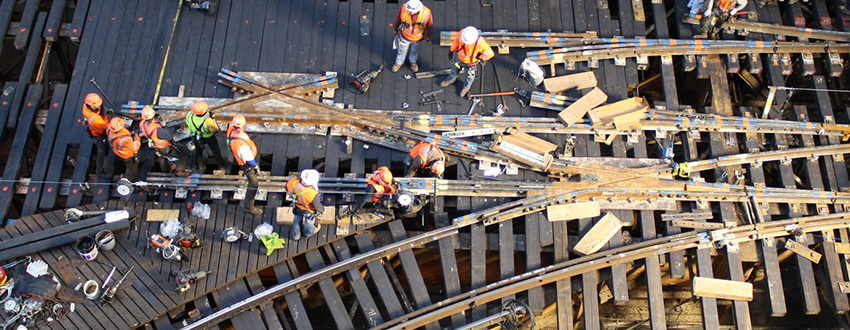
87,247
105,240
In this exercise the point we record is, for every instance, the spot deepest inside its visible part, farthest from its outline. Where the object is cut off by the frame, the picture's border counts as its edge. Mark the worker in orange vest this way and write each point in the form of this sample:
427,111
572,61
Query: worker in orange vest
379,187
157,143
307,204
412,23
125,146
426,159
245,151
468,49
204,131
97,123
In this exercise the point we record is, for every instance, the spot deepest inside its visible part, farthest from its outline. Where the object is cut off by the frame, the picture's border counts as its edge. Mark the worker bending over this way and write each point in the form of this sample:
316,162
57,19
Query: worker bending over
468,48
158,143
380,186
125,146
426,159
715,14
412,23
307,205
245,151
203,129
97,123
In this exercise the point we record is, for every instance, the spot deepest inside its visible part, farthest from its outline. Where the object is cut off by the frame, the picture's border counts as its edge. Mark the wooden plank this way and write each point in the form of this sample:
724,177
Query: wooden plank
478,260
32,55
54,19
364,297
575,111
573,211
596,237
232,294
722,289
411,271
564,300
75,29
17,151
380,279
293,300
450,276
533,250
580,80
803,251
45,147
329,291
255,284
25,27
162,215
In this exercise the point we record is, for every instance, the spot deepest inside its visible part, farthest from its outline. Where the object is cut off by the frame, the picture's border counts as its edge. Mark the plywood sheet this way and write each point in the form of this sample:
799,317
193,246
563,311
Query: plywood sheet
570,81
579,108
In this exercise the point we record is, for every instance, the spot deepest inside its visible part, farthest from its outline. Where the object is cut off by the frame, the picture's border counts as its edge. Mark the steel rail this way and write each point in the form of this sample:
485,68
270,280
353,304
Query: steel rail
664,47
604,259
812,153
793,31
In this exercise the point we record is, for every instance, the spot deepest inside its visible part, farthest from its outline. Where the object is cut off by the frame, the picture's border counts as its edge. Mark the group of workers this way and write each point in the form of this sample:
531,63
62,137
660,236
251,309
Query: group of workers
153,142
710,15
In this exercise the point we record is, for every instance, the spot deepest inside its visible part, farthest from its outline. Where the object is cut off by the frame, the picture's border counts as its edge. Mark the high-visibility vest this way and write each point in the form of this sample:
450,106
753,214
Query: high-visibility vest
429,153
304,196
291,184
470,54
237,140
149,129
726,5
380,189
414,31
198,125
123,143
96,123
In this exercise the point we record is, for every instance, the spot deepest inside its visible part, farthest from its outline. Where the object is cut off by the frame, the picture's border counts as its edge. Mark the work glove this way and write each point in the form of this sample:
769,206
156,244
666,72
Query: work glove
451,55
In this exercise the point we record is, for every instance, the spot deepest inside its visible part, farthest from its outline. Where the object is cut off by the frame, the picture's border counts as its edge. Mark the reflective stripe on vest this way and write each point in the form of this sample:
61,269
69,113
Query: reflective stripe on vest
413,31
145,128
96,130
118,140
194,128
304,197
237,141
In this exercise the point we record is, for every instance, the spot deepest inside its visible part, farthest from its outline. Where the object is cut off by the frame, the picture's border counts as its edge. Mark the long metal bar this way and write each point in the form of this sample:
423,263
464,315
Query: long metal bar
799,32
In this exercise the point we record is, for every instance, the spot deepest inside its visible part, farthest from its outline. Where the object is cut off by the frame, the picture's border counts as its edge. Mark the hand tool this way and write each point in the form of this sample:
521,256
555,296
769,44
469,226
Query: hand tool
364,79
109,293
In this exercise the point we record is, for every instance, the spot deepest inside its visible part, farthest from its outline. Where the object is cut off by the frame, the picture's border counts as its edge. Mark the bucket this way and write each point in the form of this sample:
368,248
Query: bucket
91,289
87,247
105,240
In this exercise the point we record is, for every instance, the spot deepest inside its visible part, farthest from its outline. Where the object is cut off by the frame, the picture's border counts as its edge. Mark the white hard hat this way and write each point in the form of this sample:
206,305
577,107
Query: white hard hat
469,35
310,177
414,6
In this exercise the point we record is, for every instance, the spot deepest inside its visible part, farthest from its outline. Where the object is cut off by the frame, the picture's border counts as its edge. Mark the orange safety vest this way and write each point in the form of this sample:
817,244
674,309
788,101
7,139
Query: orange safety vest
428,152
96,123
292,183
304,196
149,130
469,54
237,140
414,31
123,143
380,189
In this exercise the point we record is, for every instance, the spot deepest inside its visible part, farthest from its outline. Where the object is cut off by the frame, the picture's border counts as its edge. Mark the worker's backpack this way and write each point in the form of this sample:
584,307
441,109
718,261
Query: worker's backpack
532,72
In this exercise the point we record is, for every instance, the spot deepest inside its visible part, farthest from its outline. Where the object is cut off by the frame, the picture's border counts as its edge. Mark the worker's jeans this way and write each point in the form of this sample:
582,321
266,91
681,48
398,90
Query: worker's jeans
696,7
308,226
253,184
470,72
403,46
201,153
131,168
102,151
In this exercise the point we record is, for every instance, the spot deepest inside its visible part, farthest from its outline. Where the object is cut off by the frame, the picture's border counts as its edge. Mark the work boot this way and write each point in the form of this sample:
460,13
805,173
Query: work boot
445,83
691,19
396,67
414,67
464,91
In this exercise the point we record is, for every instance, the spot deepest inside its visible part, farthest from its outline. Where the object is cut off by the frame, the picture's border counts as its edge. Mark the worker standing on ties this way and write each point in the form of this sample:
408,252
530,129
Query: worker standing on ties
716,14
203,129
307,204
158,140
426,159
97,123
125,146
379,187
245,152
412,23
468,48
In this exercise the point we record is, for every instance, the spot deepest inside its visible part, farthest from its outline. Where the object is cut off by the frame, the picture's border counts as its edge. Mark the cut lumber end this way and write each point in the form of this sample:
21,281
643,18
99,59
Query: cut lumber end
163,215
573,211
599,235
722,289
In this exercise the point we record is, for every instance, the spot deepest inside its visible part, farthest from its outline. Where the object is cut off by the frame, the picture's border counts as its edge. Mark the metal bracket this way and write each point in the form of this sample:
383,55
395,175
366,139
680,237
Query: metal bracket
803,251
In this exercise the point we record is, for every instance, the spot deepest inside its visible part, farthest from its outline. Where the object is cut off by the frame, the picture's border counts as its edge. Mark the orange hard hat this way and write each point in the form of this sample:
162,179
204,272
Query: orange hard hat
93,100
384,175
438,167
116,124
238,121
200,108
147,113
